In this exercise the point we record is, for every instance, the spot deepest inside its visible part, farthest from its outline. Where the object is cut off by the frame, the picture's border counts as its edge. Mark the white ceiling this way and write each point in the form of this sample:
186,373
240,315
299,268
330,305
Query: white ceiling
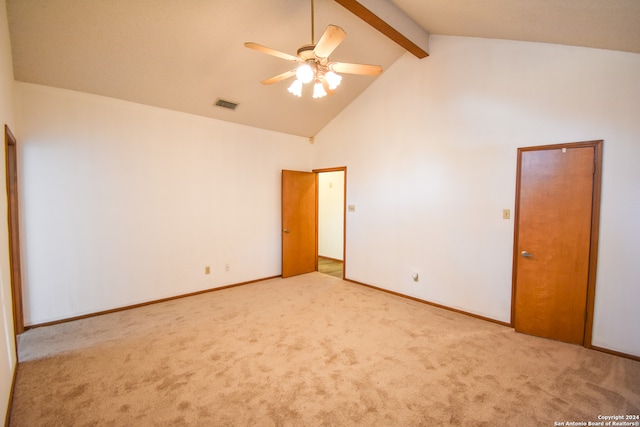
183,54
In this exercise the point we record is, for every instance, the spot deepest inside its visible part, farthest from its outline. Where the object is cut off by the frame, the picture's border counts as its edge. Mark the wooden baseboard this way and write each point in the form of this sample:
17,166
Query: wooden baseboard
593,347
466,313
129,307
114,310
7,416
615,353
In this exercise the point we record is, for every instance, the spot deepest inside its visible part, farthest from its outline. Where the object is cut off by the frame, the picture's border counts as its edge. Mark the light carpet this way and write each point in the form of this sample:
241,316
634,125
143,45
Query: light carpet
311,350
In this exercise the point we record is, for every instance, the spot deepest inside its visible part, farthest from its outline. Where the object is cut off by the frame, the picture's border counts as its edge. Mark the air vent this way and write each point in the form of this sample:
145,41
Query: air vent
225,104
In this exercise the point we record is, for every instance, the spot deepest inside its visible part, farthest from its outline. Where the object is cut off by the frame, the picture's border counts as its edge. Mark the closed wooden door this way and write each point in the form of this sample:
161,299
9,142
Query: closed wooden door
299,224
553,242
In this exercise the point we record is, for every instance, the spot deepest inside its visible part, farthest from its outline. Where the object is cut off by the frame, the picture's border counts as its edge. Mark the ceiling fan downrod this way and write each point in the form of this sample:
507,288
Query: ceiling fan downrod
313,41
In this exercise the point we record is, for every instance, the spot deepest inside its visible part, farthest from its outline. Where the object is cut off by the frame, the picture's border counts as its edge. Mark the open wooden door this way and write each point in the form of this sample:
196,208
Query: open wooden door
14,229
555,247
299,232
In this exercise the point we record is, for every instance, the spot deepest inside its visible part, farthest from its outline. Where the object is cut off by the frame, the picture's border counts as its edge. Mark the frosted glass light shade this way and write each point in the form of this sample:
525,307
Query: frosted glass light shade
318,90
333,79
296,88
304,73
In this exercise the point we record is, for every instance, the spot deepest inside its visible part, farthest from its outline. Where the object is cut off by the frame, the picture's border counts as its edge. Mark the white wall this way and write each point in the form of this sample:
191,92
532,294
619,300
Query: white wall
7,343
124,203
431,151
331,214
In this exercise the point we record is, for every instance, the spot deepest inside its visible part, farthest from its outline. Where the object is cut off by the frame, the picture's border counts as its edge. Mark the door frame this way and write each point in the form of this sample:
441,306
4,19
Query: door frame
13,218
595,229
344,216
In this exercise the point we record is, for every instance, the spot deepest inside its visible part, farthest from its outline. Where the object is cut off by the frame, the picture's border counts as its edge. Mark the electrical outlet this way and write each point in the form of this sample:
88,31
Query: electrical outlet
207,270
227,267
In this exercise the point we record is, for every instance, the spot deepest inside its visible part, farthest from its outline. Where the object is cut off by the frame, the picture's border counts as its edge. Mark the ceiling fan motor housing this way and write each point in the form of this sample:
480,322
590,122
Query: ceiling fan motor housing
305,52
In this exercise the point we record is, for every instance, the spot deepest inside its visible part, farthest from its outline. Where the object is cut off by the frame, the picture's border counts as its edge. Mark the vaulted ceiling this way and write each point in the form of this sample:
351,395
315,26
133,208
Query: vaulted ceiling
184,54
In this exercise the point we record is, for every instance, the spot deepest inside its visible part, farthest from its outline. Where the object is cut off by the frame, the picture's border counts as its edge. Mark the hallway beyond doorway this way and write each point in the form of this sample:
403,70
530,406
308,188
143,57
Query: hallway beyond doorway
330,266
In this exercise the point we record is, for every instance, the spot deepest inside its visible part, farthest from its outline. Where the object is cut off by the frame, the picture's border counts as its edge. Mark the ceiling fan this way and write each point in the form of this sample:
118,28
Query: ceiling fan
314,65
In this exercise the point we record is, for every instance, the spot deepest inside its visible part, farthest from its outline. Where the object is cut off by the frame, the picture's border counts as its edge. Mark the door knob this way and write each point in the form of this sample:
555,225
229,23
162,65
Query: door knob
526,254
286,230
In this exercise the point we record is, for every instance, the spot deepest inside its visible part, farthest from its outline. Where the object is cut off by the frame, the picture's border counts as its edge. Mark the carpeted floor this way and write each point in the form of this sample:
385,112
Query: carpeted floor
311,350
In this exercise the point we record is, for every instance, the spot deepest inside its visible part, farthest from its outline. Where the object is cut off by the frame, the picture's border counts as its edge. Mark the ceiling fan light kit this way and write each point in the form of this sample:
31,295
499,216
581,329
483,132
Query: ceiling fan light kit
314,65
321,76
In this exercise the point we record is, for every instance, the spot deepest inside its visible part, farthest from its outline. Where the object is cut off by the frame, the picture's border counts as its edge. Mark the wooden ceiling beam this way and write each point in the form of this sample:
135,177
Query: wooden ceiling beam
379,24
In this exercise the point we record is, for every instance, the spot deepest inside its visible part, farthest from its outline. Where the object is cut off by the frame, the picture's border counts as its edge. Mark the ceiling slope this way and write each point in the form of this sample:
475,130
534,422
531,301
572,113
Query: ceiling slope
602,24
184,54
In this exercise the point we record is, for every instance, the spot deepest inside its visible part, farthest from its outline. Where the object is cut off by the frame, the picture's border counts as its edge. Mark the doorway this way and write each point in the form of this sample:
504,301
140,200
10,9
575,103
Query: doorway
331,206
556,240
300,225
13,213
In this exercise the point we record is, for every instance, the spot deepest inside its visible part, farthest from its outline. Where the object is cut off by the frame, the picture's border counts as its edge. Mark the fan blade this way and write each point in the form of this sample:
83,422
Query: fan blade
330,40
272,52
279,77
362,69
